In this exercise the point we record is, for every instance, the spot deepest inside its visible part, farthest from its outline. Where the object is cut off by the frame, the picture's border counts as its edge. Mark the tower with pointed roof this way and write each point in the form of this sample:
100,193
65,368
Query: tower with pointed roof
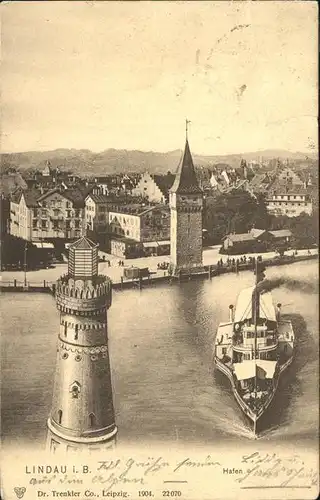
186,204
82,413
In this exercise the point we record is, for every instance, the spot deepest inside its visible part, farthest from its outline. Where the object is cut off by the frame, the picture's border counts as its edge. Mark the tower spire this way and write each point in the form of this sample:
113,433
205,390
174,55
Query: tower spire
187,123
186,180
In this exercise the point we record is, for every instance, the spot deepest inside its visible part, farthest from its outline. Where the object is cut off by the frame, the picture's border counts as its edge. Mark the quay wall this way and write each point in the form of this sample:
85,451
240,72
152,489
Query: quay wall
207,272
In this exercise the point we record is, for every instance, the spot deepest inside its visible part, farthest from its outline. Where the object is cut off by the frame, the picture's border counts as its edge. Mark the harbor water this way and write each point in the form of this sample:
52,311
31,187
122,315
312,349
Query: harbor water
161,346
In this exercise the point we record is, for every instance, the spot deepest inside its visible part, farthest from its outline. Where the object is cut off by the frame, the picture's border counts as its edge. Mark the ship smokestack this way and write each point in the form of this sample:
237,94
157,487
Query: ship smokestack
231,313
255,306
278,311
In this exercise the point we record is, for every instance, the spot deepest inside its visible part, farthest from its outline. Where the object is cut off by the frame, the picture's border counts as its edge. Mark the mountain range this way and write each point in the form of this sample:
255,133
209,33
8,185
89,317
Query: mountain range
85,162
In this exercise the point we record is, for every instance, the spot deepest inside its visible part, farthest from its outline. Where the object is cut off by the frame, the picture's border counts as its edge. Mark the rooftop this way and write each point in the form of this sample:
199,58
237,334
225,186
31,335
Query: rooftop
281,233
83,243
240,237
138,209
164,182
74,194
256,232
284,188
186,181
31,197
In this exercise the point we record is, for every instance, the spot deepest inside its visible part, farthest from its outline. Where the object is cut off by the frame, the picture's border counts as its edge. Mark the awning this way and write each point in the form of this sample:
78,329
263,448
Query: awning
255,367
245,370
265,369
243,309
41,244
150,244
155,244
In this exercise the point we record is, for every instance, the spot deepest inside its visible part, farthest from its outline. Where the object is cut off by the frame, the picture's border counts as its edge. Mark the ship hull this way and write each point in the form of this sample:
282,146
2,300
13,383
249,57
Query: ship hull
253,418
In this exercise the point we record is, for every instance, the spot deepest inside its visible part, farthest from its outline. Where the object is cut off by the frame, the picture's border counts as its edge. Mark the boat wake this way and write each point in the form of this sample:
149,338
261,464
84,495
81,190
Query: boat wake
238,429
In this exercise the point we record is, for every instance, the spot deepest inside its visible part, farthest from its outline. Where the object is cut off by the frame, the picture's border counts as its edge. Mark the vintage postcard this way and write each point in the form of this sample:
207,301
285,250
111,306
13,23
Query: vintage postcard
159,250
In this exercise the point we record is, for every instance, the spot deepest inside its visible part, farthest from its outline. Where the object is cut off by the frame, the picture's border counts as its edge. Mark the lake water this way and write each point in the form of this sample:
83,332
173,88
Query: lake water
161,344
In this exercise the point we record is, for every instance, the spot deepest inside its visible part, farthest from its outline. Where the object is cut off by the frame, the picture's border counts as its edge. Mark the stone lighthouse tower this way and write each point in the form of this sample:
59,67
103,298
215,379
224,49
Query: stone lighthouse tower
186,203
82,414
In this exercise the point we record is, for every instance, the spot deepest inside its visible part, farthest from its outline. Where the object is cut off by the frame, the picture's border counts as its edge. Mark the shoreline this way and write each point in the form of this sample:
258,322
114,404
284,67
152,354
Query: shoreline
208,272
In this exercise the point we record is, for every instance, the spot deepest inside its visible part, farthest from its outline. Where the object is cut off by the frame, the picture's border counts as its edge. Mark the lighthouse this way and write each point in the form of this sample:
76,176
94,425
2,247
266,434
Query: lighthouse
82,413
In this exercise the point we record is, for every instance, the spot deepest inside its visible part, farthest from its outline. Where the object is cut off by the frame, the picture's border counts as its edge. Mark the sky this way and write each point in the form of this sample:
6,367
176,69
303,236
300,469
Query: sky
126,75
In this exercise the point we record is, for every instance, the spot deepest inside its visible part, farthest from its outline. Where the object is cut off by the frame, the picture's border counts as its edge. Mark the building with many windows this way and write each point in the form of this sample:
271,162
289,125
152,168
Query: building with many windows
97,212
289,200
140,230
98,206
56,214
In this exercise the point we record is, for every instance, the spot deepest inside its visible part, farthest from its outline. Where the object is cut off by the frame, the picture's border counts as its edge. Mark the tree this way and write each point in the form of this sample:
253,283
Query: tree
236,211
13,251
304,228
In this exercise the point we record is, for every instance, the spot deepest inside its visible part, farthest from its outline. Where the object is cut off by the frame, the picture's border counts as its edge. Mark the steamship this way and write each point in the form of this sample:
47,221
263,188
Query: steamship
254,348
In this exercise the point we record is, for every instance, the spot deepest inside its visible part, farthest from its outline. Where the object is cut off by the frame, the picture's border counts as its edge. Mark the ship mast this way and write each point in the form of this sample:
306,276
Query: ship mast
255,314
256,306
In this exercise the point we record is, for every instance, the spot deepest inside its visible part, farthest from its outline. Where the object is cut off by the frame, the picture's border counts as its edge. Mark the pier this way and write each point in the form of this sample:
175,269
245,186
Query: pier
207,272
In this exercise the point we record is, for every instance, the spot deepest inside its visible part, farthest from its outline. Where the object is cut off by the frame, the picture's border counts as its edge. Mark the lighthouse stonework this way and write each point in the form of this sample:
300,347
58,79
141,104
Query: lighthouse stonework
82,413
186,204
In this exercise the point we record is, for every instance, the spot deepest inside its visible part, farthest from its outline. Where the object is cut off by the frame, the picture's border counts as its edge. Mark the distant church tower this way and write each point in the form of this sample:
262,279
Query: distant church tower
82,414
186,204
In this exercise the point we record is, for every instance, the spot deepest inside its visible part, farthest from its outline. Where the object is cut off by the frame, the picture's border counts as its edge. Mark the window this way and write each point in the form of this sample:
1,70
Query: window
224,350
55,225
92,419
68,225
59,416
77,224
54,445
35,224
75,390
43,224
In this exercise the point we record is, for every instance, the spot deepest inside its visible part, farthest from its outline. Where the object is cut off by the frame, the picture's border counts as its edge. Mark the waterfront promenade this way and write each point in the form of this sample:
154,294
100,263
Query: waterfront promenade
211,256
